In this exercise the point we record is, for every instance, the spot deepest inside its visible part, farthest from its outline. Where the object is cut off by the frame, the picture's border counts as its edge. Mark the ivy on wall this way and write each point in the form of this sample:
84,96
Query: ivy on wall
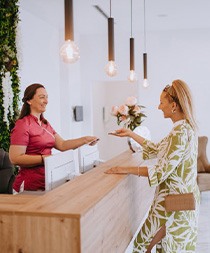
9,80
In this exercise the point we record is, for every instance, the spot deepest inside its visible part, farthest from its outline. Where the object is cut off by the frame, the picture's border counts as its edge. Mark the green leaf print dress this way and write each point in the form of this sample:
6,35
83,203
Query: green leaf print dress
175,172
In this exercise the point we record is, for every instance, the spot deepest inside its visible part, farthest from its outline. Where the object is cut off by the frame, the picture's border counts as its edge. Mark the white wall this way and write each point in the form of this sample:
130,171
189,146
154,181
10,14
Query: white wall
183,54
106,95
39,61
39,42
171,55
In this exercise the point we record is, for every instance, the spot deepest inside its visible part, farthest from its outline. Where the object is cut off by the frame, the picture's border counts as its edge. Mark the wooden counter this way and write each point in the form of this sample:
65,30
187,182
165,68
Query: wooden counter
95,212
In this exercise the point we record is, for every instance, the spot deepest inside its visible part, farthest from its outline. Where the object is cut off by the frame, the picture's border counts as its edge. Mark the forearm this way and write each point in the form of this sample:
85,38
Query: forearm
64,145
28,160
72,144
139,171
137,138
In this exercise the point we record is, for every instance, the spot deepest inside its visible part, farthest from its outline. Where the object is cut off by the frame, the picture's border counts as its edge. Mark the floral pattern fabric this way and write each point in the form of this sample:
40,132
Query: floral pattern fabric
175,172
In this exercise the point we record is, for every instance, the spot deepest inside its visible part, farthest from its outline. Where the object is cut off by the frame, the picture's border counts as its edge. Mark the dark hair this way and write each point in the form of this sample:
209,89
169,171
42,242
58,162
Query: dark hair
29,93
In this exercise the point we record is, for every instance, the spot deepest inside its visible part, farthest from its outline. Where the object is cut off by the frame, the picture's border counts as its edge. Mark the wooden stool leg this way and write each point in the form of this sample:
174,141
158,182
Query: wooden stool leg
158,237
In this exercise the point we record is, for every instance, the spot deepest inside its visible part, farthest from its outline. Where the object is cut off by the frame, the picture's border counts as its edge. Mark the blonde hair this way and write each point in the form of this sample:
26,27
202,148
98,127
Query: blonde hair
181,92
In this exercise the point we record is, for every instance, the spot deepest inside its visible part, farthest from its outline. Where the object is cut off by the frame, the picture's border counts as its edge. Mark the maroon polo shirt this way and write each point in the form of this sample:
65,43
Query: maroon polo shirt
39,140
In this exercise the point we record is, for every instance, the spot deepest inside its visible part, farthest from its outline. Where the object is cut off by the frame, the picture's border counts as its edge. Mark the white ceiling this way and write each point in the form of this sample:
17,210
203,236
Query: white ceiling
160,14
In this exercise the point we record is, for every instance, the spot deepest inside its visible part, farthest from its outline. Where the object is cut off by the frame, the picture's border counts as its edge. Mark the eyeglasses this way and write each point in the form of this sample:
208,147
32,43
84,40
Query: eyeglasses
166,89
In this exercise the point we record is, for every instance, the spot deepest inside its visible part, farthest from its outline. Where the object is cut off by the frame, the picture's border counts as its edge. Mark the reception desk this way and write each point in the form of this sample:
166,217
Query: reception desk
95,212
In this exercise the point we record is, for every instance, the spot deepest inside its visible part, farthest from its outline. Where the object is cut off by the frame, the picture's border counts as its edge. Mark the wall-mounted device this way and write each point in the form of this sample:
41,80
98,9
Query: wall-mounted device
78,113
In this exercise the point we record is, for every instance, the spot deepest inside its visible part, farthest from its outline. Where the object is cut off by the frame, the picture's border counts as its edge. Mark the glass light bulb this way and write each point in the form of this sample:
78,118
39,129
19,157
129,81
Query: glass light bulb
132,76
69,52
111,68
145,83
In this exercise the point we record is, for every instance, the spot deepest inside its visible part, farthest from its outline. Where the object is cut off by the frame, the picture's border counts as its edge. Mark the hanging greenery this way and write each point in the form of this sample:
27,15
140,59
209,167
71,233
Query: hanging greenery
9,80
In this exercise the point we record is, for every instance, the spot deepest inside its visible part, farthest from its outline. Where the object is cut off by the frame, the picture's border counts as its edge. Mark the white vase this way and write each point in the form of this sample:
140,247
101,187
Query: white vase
129,144
144,132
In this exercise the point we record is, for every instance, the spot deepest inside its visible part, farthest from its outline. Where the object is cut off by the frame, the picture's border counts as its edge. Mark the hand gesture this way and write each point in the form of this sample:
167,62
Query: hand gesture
92,140
123,132
117,170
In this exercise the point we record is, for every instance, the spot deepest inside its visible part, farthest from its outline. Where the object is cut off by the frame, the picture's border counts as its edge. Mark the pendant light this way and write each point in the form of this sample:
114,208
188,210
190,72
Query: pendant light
69,51
132,75
111,68
145,81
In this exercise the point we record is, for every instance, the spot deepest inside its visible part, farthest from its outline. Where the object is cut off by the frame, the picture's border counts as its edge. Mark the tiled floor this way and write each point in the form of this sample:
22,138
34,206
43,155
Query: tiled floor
203,243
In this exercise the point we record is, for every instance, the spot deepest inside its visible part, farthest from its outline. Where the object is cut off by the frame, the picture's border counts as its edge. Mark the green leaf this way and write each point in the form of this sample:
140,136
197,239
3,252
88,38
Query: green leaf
9,16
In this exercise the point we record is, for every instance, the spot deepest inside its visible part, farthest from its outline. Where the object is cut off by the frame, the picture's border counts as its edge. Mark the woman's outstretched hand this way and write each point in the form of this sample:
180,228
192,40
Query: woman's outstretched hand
123,132
92,143
117,170
91,140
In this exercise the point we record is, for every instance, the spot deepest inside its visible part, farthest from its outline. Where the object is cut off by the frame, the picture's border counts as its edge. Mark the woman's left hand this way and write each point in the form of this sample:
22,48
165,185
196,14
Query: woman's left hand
117,170
123,132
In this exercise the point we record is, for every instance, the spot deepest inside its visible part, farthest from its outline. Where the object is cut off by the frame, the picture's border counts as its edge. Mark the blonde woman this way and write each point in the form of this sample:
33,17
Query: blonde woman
174,173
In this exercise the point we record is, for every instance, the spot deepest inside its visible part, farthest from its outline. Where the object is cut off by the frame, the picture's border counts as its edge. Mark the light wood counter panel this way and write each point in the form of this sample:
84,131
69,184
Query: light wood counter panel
13,203
95,212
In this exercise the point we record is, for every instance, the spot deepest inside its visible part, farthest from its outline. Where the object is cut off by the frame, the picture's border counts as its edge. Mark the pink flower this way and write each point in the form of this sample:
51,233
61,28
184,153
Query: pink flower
114,110
123,118
129,114
137,109
131,101
123,109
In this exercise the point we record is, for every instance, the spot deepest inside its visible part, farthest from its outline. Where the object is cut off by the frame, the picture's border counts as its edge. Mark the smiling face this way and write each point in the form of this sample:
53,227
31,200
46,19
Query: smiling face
39,101
165,106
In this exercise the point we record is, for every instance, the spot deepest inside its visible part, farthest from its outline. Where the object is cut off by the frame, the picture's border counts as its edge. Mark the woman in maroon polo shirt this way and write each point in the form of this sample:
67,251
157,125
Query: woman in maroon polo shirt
33,138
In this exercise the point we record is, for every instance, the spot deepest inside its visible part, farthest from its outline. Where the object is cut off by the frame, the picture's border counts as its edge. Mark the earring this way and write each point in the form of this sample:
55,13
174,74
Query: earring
173,111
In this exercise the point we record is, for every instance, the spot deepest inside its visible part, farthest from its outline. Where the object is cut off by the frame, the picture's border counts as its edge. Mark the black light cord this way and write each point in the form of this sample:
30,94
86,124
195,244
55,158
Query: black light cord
145,47
131,19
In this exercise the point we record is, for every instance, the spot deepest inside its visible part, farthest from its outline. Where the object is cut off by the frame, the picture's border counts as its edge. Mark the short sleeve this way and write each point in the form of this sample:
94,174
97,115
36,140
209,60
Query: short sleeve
20,134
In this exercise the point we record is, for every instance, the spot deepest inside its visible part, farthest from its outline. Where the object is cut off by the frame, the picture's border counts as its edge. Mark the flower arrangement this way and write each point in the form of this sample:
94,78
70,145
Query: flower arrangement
130,114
